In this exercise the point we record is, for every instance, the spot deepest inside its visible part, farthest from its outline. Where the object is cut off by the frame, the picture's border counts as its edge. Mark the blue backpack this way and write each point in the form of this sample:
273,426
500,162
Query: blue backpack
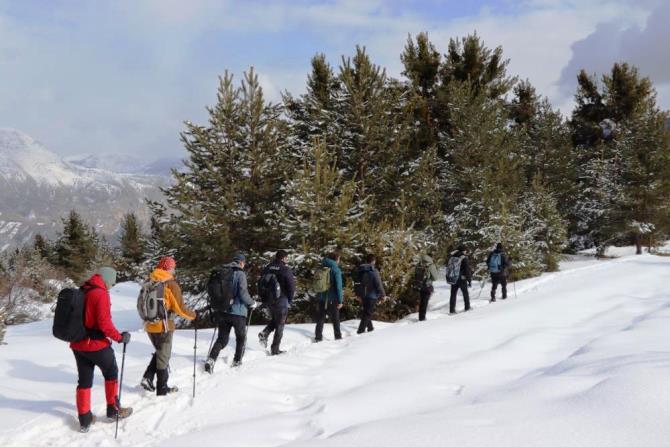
495,263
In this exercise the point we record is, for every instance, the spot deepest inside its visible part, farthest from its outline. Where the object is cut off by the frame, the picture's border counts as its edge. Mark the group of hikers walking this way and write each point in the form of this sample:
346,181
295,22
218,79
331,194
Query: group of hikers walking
83,316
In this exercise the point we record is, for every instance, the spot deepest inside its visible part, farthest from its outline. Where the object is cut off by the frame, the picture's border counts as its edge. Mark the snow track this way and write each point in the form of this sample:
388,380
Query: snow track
579,357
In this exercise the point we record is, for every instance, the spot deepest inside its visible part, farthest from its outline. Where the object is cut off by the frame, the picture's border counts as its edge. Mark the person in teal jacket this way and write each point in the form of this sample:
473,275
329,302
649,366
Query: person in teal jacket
330,302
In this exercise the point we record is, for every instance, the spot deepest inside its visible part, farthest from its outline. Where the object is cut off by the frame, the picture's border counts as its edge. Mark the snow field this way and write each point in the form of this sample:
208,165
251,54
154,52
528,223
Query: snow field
579,357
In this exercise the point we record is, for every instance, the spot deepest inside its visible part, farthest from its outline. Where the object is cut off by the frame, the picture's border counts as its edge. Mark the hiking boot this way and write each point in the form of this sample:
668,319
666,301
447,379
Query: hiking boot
113,410
148,384
316,340
167,390
236,363
85,422
263,339
493,300
278,352
209,365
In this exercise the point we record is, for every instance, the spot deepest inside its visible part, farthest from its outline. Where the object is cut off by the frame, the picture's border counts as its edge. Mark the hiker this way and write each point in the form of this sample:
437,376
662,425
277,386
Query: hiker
96,350
277,288
424,275
459,276
161,332
330,300
371,289
235,316
498,266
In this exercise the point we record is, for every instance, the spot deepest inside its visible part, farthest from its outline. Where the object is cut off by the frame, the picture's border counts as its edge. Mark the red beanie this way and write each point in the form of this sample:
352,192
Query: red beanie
167,263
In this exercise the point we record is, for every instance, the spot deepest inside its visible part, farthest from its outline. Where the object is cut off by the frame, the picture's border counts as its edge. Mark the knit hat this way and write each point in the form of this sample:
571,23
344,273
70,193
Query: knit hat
108,276
167,263
239,257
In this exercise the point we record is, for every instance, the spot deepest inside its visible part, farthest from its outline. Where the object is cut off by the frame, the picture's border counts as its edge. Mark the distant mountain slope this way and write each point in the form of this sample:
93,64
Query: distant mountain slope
37,188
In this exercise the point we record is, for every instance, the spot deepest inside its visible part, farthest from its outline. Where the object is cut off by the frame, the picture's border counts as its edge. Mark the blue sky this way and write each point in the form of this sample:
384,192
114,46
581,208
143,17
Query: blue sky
89,76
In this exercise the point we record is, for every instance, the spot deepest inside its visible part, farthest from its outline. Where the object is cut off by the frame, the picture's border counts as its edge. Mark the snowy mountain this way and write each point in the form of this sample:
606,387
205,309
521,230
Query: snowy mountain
126,163
37,188
573,358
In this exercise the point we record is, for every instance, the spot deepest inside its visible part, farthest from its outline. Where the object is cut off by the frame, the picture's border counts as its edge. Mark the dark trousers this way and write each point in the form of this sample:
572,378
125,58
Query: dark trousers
463,285
424,297
162,343
278,314
334,313
498,278
88,360
367,312
226,322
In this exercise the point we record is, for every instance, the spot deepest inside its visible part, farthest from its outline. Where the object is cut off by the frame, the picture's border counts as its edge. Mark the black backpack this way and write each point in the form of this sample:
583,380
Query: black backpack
269,288
69,317
220,289
420,277
358,276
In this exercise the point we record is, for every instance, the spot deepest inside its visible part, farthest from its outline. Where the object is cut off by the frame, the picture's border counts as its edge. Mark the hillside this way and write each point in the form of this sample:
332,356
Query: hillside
577,357
37,188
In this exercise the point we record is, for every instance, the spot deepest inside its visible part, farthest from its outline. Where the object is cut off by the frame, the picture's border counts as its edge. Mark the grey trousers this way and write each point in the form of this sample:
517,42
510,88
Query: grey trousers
162,342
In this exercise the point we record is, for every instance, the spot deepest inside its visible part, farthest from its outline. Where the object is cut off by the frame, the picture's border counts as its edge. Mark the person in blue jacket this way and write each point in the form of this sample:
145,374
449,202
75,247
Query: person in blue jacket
330,302
235,317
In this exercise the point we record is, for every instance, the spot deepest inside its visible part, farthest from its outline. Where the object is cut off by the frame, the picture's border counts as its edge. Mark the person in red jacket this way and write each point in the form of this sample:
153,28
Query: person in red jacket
96,350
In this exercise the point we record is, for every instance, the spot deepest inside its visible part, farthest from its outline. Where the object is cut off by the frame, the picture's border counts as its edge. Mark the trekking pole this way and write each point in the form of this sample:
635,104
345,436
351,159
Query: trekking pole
481,288
195,351
211,342
246,330
123,364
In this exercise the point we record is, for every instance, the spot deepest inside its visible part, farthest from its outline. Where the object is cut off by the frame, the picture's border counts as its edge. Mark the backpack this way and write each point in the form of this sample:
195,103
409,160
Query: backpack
69,317
495,263
454,269
151,302
220,289
321,281
358,276
269,288
420,277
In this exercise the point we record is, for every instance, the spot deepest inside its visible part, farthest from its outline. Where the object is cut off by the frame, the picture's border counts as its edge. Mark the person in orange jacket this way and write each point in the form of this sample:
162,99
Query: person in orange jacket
96,350
159,334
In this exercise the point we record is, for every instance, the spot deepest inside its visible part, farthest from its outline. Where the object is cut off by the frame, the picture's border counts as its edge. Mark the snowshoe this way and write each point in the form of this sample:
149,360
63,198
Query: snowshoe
236,363
85,422
209,366
278,352
263,339
123,412
147,384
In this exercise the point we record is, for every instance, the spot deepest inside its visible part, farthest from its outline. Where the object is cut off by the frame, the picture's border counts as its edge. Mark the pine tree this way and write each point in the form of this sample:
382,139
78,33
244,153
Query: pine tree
227,198
75,248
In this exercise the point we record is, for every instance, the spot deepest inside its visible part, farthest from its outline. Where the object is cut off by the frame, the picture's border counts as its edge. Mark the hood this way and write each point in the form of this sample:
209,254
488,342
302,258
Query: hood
160,275
366,267
327,262
426,259
95,281
456,253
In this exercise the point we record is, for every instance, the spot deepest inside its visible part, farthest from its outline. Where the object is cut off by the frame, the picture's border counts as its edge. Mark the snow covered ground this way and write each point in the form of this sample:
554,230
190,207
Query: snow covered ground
578,358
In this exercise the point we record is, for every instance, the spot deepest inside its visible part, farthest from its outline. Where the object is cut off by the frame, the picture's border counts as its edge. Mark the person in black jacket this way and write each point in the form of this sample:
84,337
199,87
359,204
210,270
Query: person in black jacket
464,280
498,266
278,309
371,290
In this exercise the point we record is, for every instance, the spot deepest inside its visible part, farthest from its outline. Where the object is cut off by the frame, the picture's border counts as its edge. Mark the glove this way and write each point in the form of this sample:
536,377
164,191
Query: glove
254,305
469,283
125,338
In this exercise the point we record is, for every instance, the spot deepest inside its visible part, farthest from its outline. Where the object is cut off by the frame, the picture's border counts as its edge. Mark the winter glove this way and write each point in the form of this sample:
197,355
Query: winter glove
470,283
125,338
253,306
